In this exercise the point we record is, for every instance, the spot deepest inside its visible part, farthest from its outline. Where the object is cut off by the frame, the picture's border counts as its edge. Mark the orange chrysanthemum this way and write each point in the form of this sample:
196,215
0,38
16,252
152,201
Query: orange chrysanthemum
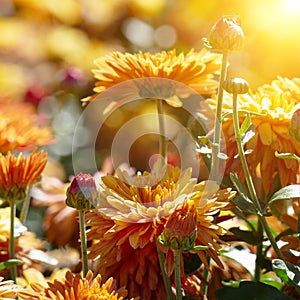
17,173
132,214
75,287
194,69
273,106
20,127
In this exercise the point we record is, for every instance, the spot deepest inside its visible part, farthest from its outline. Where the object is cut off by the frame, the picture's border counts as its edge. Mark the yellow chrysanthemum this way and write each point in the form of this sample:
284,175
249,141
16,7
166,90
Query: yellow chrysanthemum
275,105
132,214
194,69
19,127
74,287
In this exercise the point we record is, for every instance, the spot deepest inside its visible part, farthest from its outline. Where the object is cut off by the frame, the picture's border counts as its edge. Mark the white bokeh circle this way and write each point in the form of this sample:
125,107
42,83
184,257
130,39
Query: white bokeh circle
114,98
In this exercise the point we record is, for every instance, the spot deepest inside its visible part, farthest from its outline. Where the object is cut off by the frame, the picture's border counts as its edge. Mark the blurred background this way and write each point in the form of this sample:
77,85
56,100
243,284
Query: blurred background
47,48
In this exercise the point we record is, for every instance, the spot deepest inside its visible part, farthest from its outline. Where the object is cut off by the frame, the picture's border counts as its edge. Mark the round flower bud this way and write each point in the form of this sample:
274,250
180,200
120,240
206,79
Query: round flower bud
294,129
82,193
180,229
227,34
236,86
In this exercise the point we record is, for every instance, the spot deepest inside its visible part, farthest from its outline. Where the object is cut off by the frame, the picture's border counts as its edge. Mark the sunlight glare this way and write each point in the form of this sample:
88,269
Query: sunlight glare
291,7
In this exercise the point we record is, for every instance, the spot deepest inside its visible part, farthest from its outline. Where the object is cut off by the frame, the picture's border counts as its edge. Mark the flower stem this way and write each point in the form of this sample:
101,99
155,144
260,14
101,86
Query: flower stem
162,138
248,178
205,277
84,257
259,252
13,268
177,274
214,170
25,207
166,279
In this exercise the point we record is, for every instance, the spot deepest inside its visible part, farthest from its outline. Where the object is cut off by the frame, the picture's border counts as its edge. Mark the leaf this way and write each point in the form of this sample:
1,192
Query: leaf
222,156
241,112
245,125
246,236
9,263
286,193
247,136
243,204
250,290
287,272
204,149
287,155
240,187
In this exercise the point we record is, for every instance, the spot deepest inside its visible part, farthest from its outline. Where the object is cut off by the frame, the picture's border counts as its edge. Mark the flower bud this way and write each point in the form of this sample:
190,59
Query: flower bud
227,34
236,86
82,193
294,129
180,229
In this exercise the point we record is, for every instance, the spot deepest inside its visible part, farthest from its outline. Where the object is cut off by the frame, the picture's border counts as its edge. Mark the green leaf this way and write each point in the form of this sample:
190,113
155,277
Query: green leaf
287,155
241,112
250,290
200,248
247,136
246,236
286,193
240,187
287,272
222,156
245,125
204,149
9,263
232,283
267,278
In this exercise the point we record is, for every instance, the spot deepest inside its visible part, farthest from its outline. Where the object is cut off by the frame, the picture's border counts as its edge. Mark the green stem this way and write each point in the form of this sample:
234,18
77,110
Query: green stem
166,279
205,277
214,171
13,268
84,257
162,133
259,251
25,207
177,274
248,178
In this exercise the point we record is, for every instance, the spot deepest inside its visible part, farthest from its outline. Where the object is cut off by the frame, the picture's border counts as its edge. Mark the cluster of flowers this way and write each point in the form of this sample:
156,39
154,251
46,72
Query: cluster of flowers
138,224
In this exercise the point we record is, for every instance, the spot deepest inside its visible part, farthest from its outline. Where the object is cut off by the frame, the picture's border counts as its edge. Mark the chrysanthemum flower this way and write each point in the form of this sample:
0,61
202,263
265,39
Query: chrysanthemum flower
17,173
20,127
132,214
275,105
75,287
8,289
194,69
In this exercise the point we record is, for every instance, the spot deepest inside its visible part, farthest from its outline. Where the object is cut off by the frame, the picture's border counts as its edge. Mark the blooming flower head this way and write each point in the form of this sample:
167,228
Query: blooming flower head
17,173
272,108
132,213
75,287
20,127
194,69
227,34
